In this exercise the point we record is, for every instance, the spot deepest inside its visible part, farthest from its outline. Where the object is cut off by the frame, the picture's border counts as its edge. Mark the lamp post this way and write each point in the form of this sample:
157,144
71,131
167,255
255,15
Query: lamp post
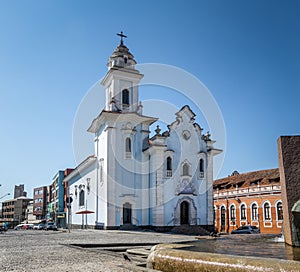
4,195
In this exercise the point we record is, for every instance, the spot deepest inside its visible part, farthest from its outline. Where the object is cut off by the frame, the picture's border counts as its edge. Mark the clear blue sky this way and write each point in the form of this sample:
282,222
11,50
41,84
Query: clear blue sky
51,52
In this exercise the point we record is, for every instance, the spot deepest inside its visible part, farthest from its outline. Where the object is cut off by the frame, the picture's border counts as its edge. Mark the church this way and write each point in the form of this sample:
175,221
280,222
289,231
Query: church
134,179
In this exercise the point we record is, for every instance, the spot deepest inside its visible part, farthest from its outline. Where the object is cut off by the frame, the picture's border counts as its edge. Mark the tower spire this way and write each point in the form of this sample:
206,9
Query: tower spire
122,36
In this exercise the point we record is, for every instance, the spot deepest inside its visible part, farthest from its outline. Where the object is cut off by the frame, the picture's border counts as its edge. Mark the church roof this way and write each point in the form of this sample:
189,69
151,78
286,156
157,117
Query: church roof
121,57
83,165
261,177
121,51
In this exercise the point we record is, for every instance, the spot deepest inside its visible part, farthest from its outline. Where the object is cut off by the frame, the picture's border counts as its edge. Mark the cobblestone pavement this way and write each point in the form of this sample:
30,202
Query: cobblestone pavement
34,250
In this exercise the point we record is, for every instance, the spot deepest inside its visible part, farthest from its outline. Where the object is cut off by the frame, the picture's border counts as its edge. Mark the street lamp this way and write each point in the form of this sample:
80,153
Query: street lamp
4,195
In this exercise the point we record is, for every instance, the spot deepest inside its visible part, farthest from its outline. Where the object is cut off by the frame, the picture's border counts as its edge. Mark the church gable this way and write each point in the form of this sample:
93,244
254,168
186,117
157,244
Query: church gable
185,119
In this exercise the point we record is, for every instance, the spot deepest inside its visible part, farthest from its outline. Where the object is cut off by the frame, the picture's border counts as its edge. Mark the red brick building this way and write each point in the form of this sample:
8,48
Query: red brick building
40,202
251,198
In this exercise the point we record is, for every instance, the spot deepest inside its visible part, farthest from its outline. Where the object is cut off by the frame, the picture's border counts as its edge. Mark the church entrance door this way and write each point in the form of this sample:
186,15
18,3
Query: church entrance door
184,213
127,213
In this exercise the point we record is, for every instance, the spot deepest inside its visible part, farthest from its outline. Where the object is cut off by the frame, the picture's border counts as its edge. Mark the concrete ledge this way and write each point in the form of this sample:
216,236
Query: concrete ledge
174,260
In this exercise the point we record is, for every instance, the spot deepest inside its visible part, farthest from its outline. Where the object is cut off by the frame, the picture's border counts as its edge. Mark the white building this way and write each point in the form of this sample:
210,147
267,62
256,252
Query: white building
133,179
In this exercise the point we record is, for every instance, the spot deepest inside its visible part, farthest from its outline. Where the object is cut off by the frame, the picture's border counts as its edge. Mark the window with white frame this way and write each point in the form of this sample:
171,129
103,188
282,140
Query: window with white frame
279,211
169,167
125,99
81,198
254,212
243,212
267,211
128,148
232,213
201,168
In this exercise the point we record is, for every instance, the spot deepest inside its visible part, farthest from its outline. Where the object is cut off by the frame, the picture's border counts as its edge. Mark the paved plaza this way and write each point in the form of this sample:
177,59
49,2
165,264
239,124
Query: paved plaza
79,250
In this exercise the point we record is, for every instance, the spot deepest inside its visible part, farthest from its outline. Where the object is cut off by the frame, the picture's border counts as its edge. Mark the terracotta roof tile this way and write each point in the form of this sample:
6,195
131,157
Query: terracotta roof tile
264,177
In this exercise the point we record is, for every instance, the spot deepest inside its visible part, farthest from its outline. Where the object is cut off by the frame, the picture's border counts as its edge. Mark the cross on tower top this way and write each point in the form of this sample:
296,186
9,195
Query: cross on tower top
122,36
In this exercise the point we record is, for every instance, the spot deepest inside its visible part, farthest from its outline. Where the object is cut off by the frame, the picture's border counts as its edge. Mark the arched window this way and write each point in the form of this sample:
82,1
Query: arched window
254,213
214,213
125,97
232,213
223,218
128,148
169,167
185,169
201,168
81,198
267,211
279,211
243,212
201,165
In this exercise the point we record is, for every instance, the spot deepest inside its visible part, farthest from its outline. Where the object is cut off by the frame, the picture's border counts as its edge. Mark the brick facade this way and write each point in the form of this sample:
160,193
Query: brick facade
251,198
40,202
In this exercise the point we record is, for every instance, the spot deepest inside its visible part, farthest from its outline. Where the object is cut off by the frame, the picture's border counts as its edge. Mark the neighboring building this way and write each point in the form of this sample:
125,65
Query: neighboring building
15,210
30,217
251,198
160,182
40,202
19,191
56,206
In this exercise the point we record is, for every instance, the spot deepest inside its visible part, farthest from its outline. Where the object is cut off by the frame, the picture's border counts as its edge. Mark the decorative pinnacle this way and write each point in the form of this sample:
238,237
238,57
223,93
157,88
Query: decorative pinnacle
122,36
158,130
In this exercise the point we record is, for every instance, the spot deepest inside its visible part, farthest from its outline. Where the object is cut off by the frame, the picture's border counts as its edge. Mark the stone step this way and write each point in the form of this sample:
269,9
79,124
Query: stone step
129,227
190,230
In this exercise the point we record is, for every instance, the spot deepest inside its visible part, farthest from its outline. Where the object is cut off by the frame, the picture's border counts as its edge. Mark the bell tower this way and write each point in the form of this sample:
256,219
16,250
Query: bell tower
122,80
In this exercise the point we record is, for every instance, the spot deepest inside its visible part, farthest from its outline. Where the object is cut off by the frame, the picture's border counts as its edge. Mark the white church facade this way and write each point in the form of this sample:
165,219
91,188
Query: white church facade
137,180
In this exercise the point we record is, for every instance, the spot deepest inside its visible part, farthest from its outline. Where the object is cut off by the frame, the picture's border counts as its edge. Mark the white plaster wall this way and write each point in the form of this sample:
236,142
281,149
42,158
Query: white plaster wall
81,179
190,150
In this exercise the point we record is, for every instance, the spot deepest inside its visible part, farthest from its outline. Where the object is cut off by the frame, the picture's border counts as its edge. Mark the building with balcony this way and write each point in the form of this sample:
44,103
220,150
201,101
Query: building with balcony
15,210
252,198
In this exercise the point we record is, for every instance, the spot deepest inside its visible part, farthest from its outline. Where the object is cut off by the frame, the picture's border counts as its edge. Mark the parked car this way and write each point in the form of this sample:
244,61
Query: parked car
50,226
40,226
246,230
23,226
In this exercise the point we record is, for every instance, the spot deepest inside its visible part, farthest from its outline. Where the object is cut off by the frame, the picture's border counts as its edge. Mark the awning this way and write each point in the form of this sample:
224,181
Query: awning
84,212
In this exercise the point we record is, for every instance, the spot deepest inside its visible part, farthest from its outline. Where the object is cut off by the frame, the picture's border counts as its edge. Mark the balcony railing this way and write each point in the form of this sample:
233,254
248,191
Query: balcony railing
247,191
169,173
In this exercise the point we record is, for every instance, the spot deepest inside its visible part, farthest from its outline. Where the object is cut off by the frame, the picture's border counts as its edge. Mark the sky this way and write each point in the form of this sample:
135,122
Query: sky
52,52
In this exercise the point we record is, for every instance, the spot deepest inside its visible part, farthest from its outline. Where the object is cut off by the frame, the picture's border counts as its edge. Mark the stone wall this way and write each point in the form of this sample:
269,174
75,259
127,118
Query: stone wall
289,168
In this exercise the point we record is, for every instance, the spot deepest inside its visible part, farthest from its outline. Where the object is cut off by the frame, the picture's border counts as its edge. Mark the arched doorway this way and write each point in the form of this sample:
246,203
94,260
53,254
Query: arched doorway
127,213
184,213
